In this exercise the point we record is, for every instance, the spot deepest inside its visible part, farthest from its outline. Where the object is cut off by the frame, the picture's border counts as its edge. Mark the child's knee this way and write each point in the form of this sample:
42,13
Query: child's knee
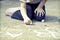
39,18
10,11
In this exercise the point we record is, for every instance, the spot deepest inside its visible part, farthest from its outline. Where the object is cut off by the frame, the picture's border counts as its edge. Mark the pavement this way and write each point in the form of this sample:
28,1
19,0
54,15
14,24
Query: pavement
11,29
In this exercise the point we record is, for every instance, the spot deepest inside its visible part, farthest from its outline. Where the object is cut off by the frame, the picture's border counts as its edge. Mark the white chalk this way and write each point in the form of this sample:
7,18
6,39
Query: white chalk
43,20
39,34
50,32
14,35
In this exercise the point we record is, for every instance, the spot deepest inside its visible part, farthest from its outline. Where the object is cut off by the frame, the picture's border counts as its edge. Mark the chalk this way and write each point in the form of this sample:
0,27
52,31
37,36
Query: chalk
43,20
40,34
14,35
50,32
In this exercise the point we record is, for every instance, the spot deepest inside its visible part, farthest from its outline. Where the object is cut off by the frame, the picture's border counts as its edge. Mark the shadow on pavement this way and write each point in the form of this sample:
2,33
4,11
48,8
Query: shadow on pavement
52,19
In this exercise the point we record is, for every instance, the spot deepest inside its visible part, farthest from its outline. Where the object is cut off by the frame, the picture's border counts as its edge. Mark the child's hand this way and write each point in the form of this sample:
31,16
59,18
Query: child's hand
39,11
27,21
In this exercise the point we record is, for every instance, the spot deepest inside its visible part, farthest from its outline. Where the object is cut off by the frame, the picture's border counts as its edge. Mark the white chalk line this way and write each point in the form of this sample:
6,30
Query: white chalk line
50,33
54,28
13,35
40,34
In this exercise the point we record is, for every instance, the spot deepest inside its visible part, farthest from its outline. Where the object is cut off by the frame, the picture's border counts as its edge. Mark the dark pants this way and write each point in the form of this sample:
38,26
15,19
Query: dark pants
30,12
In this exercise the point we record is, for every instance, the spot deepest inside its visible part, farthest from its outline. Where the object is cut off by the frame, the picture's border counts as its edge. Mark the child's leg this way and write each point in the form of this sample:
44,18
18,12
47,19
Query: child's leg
10,11
15,13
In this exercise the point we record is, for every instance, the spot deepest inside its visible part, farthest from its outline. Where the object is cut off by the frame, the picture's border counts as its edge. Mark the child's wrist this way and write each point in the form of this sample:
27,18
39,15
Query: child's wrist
39,7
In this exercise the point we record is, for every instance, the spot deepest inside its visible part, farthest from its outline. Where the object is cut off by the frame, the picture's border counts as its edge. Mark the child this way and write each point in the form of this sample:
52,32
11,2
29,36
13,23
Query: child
28,10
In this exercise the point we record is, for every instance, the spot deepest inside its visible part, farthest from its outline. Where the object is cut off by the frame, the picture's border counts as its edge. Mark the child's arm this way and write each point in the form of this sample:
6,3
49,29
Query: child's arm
24,13
23,9
39,9
42,3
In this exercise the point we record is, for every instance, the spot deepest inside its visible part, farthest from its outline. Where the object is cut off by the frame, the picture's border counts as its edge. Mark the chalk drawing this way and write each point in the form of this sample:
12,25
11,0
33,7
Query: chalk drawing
48,32
40,33
14,35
